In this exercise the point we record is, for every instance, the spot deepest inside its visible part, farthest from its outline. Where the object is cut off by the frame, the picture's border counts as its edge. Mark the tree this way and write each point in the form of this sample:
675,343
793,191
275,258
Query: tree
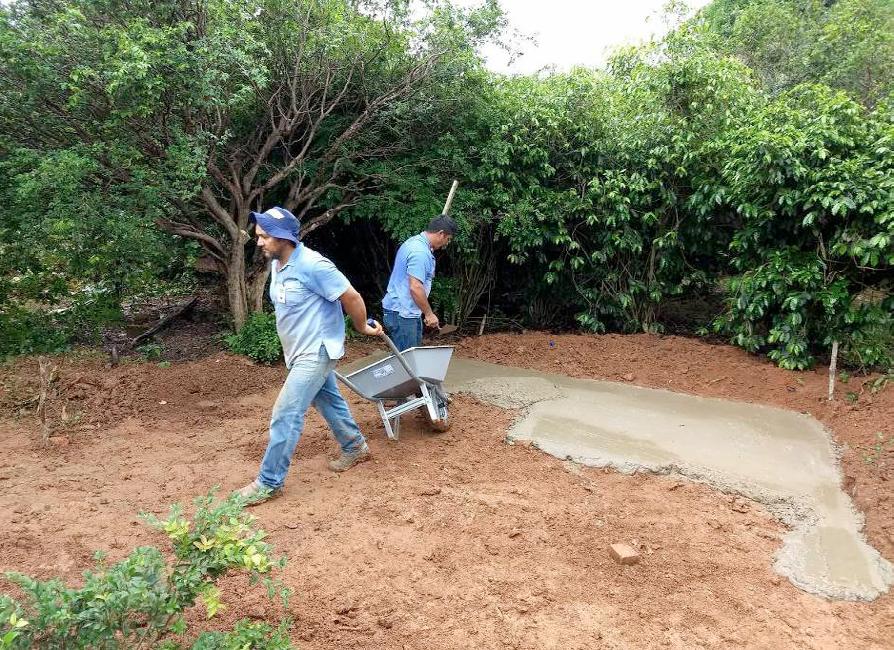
810,176
198,113
601,170
847,44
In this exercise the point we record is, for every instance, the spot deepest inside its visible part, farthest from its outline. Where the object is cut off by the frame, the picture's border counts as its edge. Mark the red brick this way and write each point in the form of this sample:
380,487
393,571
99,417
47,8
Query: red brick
623,554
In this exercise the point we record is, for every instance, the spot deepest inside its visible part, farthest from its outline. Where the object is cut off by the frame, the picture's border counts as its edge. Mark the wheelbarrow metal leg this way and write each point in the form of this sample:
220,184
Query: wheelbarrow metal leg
391,433
427,393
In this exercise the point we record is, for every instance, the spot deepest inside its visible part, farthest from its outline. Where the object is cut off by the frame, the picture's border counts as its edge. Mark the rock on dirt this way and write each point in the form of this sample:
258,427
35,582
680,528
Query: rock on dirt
623,554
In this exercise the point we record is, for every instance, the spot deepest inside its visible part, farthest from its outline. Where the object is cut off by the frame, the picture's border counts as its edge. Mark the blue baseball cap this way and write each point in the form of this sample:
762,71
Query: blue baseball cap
277,222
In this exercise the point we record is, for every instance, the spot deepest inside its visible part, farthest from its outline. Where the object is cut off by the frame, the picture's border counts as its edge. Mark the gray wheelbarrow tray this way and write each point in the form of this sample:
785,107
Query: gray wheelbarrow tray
412,378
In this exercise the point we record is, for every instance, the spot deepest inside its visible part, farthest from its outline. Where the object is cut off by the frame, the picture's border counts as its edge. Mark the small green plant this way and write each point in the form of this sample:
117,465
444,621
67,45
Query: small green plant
151,351
12,623
139,601
164,364
877,450
244,636
879,383
844,376
257,339
852,397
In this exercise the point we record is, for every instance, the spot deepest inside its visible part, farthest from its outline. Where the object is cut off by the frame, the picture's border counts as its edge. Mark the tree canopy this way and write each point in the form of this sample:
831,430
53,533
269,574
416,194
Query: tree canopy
744,161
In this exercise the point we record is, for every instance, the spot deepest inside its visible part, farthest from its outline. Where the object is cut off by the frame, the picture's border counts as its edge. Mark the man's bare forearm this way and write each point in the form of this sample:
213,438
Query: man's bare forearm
417,291
355,308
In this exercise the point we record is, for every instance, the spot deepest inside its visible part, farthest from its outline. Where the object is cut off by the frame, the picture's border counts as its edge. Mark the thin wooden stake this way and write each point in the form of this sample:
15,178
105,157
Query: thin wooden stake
47,376
833,365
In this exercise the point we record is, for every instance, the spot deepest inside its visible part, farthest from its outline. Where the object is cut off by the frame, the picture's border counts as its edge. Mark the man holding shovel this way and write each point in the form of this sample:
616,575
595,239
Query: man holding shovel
308,294
406,303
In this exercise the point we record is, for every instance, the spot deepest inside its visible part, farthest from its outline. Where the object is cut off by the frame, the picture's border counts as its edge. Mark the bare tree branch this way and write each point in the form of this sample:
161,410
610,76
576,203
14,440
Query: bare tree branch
214,247
219,214
326,217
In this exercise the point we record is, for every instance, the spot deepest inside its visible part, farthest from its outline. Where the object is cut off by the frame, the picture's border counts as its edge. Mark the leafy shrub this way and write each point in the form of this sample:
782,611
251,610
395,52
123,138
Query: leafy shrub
870,341
89,311
245,636
28,332
151,351
35,330
788,305
257,339
809,176
444,298
139,601
782,305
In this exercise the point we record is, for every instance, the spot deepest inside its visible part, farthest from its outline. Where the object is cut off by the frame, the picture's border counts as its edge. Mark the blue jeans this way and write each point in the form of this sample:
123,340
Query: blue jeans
310,382
405,332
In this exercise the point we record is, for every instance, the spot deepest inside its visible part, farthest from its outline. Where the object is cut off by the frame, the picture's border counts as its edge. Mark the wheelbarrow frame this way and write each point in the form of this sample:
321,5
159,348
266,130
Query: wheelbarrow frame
424,394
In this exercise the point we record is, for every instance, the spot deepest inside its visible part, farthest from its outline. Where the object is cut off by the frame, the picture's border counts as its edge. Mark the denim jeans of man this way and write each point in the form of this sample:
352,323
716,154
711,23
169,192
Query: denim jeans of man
311,381
405,332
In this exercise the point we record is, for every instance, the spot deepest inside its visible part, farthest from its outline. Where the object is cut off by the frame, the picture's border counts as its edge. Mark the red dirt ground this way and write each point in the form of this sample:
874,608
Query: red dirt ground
452,540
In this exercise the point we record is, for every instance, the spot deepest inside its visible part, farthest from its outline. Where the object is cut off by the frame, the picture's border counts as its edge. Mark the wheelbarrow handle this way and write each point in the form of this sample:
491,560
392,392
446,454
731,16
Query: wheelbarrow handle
396,352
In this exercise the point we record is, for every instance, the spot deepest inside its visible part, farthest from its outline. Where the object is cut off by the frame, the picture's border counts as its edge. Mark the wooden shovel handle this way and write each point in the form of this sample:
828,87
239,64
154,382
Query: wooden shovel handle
450,197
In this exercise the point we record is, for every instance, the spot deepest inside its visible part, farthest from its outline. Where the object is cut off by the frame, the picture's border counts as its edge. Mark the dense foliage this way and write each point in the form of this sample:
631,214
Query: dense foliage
131,118
745,163
257,338
681,174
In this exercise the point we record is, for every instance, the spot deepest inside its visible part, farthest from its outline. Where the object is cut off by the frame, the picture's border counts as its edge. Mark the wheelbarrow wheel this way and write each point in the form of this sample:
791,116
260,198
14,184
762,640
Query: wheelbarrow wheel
443,423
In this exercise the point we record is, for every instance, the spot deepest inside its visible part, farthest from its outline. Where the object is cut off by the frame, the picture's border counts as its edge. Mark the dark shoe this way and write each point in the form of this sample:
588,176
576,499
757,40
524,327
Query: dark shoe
348,459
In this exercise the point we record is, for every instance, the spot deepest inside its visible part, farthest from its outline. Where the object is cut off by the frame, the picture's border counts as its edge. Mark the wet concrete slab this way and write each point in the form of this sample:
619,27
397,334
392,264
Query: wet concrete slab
782,459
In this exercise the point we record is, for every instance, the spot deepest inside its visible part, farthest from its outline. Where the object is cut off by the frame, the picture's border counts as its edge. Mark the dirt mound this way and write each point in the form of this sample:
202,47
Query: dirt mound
90,395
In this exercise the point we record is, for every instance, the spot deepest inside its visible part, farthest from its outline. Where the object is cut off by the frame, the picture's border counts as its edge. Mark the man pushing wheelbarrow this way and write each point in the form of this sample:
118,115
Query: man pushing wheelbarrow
308,293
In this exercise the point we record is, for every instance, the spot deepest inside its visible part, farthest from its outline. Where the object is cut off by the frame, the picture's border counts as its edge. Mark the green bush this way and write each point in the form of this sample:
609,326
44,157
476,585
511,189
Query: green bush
782,306
444,298
139,601
88,314
870,342
39,330
788,306
257,339
28,332
151,351
245,636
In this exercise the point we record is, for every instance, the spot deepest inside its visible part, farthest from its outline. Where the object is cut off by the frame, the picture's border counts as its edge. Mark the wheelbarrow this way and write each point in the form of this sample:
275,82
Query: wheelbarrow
408,380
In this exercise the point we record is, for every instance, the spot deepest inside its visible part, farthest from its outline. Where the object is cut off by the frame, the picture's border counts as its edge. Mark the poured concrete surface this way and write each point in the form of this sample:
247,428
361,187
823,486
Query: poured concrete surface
781,459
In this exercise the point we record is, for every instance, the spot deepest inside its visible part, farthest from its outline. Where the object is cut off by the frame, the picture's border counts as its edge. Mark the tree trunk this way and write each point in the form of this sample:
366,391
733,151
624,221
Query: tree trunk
245,285
237,293
256,285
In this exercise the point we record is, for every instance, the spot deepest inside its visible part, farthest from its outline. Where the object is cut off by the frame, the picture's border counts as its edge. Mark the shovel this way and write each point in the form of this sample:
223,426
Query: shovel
448,328
441,331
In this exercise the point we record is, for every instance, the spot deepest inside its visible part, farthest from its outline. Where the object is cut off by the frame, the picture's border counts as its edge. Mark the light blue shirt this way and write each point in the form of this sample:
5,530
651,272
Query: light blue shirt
305,293
414,258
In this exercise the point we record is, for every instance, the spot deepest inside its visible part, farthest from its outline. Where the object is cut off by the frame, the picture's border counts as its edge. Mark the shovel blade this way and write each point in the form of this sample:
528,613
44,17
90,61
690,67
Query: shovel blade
443,331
